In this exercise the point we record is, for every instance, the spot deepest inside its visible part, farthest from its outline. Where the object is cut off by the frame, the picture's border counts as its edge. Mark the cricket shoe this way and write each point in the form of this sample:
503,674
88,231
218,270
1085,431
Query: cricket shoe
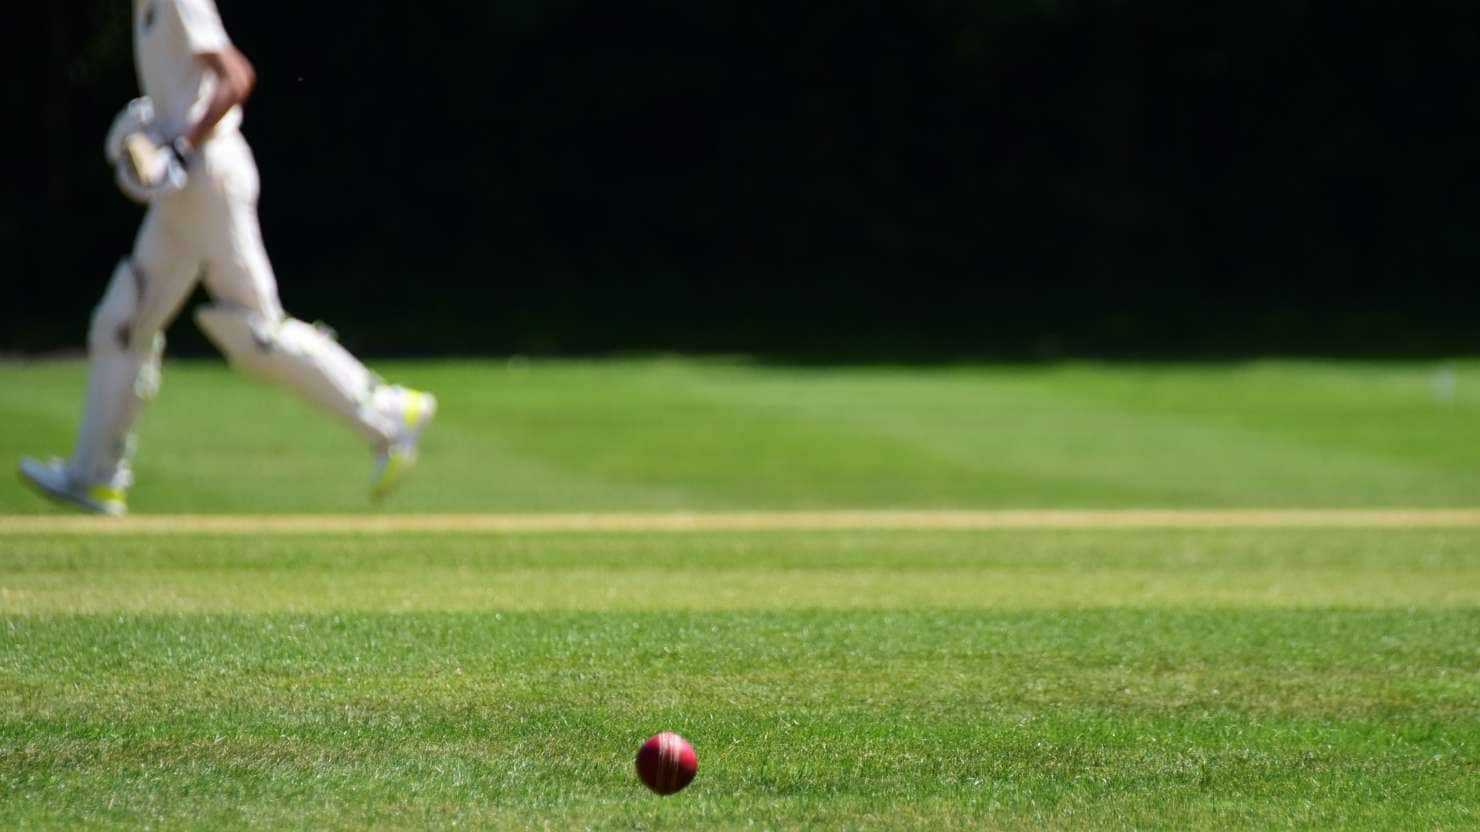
414,411
53,480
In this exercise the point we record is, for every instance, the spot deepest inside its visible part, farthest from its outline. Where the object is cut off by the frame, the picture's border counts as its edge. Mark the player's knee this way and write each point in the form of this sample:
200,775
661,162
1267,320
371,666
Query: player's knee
111,327
247,339
234,331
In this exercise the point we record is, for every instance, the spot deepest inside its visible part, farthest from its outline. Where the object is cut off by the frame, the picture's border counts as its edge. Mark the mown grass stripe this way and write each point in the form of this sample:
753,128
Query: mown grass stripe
242,524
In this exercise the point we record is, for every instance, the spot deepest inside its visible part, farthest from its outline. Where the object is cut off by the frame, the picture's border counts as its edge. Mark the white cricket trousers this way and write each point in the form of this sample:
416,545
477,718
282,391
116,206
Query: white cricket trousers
208,232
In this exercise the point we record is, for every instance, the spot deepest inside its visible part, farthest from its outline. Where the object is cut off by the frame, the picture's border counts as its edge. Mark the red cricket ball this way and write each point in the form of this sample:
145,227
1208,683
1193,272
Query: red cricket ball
666,763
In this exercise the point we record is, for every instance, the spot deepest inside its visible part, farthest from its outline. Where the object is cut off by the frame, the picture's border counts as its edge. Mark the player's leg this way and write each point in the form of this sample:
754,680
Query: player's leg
246,321
125,343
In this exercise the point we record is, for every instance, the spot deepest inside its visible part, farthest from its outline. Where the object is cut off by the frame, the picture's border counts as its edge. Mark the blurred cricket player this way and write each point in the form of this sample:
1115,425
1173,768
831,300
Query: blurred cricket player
179,150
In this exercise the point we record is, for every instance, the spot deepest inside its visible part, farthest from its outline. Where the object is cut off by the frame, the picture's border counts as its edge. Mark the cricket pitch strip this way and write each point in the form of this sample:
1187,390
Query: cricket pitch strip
866,520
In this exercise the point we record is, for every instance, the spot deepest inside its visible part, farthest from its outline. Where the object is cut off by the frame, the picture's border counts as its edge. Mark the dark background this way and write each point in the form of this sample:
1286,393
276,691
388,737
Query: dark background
852,179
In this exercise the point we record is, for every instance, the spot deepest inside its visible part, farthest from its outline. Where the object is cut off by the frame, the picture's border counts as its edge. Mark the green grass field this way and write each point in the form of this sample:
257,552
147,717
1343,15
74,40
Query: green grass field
1063,678
676,434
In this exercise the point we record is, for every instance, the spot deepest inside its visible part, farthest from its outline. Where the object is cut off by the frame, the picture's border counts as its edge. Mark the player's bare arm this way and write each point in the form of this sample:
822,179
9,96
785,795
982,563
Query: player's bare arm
235,79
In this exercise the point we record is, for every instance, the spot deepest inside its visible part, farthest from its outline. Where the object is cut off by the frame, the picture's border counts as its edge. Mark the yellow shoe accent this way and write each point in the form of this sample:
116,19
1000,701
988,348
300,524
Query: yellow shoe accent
416,405
111,500
417,411
107,494
389,475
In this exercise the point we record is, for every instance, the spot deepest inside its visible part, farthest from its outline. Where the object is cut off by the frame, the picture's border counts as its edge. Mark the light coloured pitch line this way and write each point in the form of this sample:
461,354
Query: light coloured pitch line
245,524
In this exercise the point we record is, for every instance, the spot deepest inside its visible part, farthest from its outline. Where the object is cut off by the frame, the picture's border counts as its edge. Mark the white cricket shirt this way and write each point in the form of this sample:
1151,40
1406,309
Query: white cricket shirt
168,37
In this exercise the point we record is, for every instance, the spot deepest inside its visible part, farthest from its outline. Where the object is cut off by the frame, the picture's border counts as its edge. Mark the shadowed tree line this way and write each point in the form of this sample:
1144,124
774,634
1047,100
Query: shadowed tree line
863,178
